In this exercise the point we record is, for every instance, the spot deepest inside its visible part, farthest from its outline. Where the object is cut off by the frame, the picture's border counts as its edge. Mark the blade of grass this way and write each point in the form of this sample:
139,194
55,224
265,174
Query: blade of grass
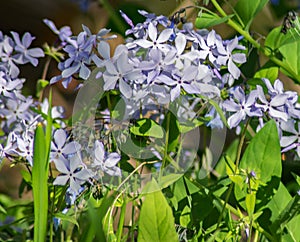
39,185
40,172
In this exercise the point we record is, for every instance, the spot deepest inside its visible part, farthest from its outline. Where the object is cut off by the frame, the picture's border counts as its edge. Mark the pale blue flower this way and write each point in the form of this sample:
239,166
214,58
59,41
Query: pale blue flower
61,147
241,106
272,106
122,72
73,172
106,162
157,41
227,58
291,141
23,53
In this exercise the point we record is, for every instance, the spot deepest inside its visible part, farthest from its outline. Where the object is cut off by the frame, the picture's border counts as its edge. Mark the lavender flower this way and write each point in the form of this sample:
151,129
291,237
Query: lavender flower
25,55
229,59
242,106
178,81
157,41
122,72
291,141
60,147
64,33
73,172
272,106
104,162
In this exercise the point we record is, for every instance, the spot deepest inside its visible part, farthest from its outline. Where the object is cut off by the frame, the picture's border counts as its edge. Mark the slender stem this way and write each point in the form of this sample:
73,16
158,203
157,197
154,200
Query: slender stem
132,173
166,145
255,239
248,37
121,220
46,67
239,150
44,74
224,205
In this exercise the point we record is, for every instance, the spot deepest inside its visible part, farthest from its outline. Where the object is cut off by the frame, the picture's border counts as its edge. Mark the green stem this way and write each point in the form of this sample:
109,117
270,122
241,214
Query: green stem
239,150
115,17
255,239
121,220
163,165
224,205
248,37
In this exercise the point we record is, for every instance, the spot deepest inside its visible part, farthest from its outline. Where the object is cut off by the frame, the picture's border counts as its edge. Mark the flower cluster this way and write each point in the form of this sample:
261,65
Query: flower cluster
157,66
277,104
20,116
18,121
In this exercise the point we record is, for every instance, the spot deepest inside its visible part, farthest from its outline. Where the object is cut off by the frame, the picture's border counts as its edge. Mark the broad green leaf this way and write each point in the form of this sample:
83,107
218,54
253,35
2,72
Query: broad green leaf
276,38
206,20
156,222
272,210
263,154
291,56
293,229
268,71
247,10
290,211
147,127
167,180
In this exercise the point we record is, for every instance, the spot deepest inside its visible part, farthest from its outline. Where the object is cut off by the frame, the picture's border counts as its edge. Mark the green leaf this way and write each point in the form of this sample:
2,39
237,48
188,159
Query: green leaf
96,216
206,20
268,71
40,86
291,58
167,180
276,38
231,153
2,210
185,216
66,217
219,111
39,185
291,210
171,125
263,155
247,10
147,127
156,222
250,203
187,126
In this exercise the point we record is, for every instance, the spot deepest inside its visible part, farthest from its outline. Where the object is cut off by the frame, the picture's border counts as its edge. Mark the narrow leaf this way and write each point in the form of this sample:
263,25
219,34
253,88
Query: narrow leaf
206,20
39,185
